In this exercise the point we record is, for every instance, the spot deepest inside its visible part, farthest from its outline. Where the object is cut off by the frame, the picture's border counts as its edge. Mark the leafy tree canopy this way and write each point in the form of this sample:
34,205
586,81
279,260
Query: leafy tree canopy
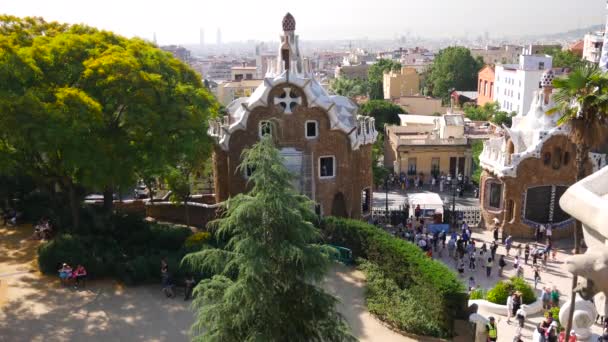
375,76
266,287
565,58
88,107
349,88
384,112
453,68
488,112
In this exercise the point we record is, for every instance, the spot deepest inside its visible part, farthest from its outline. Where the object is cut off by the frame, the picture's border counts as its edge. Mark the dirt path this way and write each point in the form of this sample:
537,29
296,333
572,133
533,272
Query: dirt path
348,284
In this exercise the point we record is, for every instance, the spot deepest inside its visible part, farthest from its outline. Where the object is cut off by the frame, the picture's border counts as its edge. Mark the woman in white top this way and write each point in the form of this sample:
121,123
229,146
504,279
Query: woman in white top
509,307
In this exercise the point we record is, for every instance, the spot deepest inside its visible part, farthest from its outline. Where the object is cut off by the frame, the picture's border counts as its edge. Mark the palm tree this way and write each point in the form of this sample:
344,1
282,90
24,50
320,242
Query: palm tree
582,100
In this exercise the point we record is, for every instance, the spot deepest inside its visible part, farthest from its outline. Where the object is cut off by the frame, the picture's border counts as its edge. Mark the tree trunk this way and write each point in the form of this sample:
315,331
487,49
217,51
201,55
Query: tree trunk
74,206
582,153
108,199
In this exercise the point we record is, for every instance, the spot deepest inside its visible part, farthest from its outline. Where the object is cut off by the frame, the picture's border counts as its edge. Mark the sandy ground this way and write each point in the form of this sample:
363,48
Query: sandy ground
34,307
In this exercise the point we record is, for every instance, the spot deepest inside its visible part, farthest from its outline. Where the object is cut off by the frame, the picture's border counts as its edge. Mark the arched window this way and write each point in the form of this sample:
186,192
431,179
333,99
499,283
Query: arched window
493,194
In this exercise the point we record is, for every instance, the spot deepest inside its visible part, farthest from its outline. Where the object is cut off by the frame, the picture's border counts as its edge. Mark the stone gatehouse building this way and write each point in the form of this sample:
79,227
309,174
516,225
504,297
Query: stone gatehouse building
526,171
322,139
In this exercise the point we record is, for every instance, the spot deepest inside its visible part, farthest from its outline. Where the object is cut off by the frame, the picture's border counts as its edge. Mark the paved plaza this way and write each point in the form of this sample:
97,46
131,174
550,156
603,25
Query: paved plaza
554,274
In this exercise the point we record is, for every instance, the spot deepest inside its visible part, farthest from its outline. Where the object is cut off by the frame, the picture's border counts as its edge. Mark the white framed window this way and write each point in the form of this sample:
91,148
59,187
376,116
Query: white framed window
311,129
265,128
327,167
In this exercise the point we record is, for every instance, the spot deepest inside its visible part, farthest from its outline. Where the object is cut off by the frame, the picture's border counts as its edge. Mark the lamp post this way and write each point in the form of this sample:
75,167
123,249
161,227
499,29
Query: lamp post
455,184
386,197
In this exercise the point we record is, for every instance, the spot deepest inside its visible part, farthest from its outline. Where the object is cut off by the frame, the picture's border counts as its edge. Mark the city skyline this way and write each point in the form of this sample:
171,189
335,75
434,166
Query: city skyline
180,22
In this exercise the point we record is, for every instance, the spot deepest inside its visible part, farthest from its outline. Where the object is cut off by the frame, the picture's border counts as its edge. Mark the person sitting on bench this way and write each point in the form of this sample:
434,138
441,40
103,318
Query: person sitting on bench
79,275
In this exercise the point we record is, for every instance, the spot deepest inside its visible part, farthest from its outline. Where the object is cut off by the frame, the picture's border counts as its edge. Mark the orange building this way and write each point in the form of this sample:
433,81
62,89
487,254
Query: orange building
485,85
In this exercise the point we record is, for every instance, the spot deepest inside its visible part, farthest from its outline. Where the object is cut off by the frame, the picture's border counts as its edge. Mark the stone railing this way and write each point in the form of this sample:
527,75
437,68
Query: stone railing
587,201
431,141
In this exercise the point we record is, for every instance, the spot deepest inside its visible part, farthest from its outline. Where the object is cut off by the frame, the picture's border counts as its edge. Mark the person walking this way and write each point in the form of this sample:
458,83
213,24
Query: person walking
495,233
536,277
493,249
508,244
461,267
489,265
189,282
510,307
501,265
472,261
516,302
520,315
541,233
546,298
554,297
492,330
526,253
549,233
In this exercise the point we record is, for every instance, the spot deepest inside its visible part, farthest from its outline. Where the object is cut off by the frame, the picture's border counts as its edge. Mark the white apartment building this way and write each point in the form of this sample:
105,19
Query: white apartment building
515,84
592,48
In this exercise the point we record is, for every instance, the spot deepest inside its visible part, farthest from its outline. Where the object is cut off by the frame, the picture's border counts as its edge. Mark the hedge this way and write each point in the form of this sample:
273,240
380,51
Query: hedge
125,247
424,284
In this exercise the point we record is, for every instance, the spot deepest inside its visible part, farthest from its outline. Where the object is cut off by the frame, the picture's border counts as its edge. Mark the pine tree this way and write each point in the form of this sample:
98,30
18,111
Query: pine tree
268,272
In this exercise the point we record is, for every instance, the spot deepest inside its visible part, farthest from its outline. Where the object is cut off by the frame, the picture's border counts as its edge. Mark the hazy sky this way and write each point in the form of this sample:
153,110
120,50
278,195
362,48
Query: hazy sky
179,21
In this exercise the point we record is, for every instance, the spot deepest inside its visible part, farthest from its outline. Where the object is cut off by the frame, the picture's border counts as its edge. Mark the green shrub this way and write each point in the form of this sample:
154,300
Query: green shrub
555,314
501,291
412,309
527,292
196,241
478,294
406,265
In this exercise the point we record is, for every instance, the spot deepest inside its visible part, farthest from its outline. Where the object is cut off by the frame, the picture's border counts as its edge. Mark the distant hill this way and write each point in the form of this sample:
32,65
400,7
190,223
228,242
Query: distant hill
566,36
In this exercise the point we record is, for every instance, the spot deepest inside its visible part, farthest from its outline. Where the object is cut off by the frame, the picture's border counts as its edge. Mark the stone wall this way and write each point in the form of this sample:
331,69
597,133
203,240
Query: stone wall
353,168
199,214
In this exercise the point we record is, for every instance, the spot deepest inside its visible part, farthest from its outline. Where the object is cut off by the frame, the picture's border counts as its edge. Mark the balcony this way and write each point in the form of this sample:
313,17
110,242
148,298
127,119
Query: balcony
430,141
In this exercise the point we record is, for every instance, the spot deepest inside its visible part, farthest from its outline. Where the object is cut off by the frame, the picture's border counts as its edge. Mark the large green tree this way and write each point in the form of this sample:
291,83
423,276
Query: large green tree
266,286
384,112
582,101
349,88
490,111
375,77
565,58
453,69
84,108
